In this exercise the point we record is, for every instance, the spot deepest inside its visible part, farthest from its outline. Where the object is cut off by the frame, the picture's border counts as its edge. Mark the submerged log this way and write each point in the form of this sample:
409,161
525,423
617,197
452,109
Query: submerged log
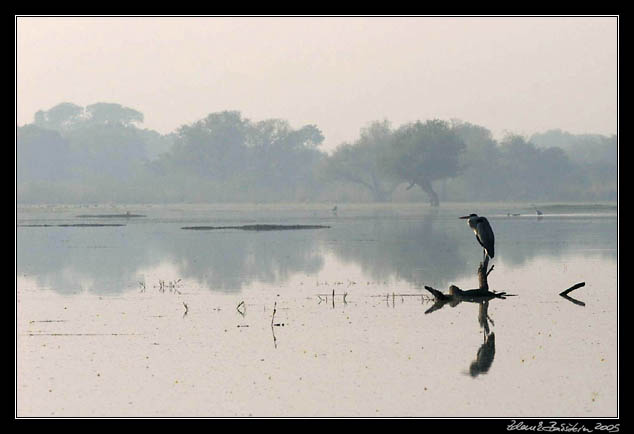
457,295
255,227
101,216
72,225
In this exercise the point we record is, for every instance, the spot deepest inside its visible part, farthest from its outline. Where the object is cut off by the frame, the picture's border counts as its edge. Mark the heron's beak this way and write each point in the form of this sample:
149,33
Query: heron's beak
464,217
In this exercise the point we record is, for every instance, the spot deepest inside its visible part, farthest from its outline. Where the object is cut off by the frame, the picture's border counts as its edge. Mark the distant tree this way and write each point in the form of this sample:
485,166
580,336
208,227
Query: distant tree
228,157
282,160
580,148
156,143
421,153
41,154
110,113
63,116
361,162
44,164
479,179
531,173
107,152
212,148
307,137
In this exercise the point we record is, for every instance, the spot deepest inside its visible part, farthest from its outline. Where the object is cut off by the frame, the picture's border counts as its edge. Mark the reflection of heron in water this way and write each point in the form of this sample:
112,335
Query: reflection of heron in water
486,352
481,296
485,356
483,233
484,318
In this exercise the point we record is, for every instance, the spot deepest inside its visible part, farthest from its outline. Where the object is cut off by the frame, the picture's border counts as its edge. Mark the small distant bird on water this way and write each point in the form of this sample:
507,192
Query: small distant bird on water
537,211
483,233
334,210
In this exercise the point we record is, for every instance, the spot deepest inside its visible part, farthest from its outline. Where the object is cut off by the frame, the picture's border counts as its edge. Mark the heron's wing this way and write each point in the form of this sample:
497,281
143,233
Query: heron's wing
485,235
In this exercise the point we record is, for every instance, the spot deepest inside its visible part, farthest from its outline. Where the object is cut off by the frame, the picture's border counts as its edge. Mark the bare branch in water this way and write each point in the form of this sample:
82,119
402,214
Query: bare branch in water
490,269
573,300
242,311
273,324
565,295
572,288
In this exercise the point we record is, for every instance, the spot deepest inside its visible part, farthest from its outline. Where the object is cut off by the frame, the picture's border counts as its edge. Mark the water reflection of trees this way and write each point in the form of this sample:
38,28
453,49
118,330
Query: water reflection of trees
526,238
427,247
108,260
433,247
413,249
69,260
228,259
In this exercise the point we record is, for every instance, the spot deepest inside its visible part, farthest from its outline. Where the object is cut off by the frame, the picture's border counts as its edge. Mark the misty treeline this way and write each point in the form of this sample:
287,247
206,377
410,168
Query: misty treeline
99,153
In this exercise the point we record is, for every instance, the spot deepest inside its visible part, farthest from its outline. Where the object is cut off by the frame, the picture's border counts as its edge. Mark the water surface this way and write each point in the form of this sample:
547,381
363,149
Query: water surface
148,319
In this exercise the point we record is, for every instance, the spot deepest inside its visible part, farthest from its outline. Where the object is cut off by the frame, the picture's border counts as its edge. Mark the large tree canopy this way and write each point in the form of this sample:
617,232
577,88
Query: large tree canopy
67,116
98,153
362,162
110,113
60,117
421,153
235,157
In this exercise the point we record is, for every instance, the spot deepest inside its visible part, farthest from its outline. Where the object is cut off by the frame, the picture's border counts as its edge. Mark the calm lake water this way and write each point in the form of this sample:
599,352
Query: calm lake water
148,319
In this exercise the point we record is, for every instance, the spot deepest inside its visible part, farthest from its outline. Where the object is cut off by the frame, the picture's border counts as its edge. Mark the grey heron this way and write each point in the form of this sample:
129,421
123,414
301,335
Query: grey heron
483,233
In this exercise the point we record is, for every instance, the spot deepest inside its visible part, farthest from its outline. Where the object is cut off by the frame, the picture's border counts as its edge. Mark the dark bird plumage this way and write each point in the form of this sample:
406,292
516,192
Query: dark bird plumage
483,232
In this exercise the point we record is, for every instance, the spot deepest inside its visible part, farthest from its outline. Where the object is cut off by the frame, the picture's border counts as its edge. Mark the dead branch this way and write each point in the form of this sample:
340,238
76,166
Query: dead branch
565,295
572,288
274,310
573,300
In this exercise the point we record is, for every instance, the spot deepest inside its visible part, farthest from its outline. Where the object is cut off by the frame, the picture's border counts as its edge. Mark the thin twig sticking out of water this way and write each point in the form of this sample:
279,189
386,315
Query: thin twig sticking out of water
273,323
490,269
172,285
244,308
186,309
423,297
333,295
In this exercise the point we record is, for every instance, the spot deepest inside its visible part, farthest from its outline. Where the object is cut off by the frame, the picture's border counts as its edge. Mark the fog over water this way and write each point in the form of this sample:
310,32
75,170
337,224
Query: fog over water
196,317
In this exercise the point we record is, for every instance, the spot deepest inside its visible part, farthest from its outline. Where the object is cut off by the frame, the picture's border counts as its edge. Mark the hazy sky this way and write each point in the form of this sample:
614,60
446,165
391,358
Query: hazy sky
516,74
